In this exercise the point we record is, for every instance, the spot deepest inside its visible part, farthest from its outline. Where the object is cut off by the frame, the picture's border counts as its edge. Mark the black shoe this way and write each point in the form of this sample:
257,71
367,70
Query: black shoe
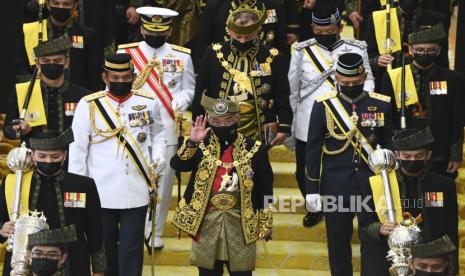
311,219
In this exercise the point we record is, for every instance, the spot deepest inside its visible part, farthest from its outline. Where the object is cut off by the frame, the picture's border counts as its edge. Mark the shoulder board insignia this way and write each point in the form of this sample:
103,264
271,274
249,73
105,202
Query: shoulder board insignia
354,42
144,94
327,96
380,97
94,96
300,45
129,45
181,49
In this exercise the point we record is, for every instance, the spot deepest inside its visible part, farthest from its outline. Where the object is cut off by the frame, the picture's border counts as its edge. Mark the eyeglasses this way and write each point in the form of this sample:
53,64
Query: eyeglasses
423,51
49,255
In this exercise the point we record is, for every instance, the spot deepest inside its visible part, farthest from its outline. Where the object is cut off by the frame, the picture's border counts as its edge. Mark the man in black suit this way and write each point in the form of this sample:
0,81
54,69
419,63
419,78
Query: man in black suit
64,198
423,193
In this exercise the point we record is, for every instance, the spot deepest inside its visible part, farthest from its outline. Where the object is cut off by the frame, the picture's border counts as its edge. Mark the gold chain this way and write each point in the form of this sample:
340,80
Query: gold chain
145,73
106,134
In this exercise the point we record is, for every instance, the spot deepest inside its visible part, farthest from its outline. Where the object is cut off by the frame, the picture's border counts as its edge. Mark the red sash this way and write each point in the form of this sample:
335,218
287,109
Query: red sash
226,158
153,80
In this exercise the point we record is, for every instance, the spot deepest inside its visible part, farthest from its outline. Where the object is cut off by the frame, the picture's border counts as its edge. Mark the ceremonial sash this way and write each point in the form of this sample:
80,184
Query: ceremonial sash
379,21
154,81
318,61
35,114
411,96
126,140
25,189
339,114
31,38
384,2
379,198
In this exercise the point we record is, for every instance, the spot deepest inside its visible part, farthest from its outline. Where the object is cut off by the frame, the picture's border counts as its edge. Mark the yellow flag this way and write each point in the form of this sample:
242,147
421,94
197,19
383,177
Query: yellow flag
35,115
377,187
31,38
25,189
411,96
379,20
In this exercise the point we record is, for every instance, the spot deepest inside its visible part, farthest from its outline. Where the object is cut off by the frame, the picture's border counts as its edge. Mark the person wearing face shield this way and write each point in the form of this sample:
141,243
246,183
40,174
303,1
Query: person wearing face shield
425,195
66,199
54,98
252,74
86,53
434,98
311,75
433,258
227,205
171,79
120,142
410,16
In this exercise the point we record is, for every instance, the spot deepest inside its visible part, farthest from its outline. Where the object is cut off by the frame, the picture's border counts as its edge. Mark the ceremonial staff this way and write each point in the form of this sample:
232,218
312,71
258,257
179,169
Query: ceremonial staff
388,31
403,122
179,120
27,99
154,178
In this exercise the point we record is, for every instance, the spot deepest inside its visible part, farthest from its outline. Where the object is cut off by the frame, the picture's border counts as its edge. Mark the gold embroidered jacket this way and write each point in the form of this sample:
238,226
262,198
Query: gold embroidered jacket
255,184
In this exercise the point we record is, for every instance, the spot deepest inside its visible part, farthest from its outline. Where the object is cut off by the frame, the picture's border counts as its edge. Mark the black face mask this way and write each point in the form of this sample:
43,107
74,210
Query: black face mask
242,46
408,6
120,89
49,169
424,60
326,40
225,133
351,91
44,267
60,14
52,70
424,273
413,166
155,41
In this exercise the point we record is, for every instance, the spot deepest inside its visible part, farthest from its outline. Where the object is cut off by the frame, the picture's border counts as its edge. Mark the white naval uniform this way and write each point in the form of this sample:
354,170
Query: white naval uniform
307,83
181,84
119,182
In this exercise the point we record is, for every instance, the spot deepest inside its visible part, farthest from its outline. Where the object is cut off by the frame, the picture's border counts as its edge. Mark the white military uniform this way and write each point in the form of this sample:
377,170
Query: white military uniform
308,78
120,183
178,77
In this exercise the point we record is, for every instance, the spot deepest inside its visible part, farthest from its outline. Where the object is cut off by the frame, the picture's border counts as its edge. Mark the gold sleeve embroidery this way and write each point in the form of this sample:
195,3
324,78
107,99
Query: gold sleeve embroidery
185,152
265,221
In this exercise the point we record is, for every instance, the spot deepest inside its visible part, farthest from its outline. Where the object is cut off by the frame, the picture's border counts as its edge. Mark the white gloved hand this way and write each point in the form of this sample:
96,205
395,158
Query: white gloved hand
313,202
159,161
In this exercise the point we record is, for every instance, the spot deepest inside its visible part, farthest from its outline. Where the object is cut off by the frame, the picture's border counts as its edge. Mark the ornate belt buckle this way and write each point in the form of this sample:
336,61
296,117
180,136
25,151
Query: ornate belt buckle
223,201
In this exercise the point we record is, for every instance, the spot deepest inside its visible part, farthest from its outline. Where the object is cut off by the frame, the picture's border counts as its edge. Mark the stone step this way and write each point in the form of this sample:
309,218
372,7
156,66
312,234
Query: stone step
270,255
286,227
165,270
281,154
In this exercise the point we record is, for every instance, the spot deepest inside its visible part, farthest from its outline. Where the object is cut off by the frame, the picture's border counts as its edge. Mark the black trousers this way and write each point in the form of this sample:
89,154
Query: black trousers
339,230
218,270
300,164
123,233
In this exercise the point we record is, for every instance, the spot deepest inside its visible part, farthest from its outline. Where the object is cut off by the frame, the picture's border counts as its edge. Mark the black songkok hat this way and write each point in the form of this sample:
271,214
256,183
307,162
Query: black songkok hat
413,139
427,34
350,65
56,46
434,249
55,237
119,63
52,140
325,13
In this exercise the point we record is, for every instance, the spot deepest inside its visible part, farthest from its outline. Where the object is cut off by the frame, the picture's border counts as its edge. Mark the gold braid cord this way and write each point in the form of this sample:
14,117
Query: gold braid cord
106,134
340,137
145,73
188,217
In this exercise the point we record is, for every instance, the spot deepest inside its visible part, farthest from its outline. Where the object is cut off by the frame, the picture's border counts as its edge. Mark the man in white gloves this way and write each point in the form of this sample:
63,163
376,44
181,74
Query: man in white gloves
119,139
345,125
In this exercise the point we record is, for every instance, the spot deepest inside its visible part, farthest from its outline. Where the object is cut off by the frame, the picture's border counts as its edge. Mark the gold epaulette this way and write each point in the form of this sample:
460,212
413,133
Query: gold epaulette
128,45
327,96
380,97
95,96
144,94
181,49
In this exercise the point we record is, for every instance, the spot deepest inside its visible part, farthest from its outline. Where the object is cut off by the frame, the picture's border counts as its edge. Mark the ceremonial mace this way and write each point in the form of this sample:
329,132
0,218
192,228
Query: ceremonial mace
178,122
382,162
389,4
154,178
19,160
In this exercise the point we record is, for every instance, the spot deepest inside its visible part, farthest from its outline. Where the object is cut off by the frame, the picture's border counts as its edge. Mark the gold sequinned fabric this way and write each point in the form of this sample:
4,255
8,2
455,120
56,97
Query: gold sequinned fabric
188,216
185,152
222,238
